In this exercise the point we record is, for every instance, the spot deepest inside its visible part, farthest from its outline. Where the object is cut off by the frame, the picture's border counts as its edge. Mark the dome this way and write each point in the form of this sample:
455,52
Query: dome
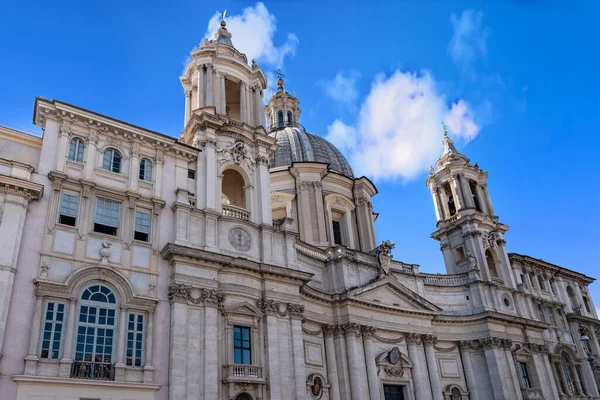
297,145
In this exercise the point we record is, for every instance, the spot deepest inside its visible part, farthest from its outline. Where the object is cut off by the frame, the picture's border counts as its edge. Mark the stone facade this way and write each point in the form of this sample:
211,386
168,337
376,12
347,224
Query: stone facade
134,265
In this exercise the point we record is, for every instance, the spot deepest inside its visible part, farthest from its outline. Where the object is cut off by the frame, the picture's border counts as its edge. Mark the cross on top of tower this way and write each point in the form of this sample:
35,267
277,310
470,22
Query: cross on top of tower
280,75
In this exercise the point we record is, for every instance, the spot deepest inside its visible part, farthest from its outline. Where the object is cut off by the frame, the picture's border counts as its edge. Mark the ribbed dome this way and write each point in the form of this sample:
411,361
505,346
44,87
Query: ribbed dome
297,145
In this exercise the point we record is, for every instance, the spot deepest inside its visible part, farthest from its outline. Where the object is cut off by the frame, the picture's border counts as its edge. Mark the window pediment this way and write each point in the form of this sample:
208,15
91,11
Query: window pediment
244,308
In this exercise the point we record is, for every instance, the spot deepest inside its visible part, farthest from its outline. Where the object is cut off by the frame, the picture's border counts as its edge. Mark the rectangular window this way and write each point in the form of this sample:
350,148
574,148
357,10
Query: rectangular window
337,232
191,174
69,205
135,339
108,214
460,253
586,303
54,317
242,353
525,375
142,226
551,319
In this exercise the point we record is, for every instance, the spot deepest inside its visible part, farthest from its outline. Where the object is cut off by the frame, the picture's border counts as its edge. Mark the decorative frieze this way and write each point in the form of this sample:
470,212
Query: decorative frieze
490,342
538,348
181,293
307,185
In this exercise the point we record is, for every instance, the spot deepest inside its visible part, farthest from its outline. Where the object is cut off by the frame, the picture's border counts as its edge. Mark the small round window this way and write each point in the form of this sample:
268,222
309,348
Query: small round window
506,302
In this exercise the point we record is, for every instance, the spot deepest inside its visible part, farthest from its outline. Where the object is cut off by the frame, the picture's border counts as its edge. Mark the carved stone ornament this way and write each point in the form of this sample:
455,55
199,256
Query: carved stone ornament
367,331
393,372
268,306
236,153
429,340
181,293
472,261
413,338
490,240
105,253
490,342
386,248
328,330
351,328
395,355
44,271
296,310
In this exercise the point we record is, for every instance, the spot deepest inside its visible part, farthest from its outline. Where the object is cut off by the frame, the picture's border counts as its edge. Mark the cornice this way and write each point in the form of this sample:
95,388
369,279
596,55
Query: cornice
549,267
492,316
20,137
20,187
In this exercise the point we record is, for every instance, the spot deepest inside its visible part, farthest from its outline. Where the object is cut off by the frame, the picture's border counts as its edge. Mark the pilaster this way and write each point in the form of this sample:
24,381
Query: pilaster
332,373
434,376
465,355
419,376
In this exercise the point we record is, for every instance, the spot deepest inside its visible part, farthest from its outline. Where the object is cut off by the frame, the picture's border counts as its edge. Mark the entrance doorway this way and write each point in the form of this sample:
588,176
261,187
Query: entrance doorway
393,392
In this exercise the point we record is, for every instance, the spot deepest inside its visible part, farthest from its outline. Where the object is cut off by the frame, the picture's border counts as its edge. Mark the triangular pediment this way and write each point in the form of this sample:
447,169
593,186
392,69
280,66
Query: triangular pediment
388,292
244,308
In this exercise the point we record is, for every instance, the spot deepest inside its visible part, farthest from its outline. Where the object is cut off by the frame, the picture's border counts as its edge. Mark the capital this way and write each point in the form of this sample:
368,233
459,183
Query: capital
188,92
351,328
429,340
296,310
413,339
367,331
328,330
179,293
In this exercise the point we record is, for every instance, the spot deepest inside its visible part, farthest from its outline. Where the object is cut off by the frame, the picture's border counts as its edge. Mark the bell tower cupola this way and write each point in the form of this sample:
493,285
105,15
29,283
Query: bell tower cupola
282,109
470,235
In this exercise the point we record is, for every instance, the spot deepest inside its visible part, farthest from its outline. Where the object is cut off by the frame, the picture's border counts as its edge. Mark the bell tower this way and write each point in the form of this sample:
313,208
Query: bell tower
470,235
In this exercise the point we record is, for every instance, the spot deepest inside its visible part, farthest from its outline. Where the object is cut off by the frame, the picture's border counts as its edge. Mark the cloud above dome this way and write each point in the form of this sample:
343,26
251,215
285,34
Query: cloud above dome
252,34
398,130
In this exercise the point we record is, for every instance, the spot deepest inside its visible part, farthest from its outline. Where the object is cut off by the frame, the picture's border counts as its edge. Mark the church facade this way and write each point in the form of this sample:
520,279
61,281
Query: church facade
239,262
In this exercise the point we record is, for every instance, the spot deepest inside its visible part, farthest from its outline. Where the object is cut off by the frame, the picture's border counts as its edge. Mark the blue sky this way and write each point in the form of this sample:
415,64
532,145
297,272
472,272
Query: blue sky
522,76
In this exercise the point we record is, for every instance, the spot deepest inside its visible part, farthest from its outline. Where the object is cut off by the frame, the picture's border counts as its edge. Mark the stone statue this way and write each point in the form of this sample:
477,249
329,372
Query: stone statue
386,248
472,260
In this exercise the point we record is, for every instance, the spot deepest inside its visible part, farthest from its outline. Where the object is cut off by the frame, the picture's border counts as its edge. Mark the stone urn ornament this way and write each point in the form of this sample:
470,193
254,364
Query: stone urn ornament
105,253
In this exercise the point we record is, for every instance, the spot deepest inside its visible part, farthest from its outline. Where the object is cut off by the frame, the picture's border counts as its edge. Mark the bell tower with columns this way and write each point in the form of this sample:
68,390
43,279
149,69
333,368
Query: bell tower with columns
224,120
282,109
470,235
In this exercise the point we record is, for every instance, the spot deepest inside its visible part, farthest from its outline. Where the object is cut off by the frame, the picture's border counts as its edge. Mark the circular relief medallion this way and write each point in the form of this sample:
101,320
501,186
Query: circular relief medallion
317,386
395,355
240,239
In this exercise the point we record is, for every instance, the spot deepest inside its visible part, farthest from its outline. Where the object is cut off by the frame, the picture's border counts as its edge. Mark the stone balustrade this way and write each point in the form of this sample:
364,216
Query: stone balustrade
235,212
532,393
243,373
446,280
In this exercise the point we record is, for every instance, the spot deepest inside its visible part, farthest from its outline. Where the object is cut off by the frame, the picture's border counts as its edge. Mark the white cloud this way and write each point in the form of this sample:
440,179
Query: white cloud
469,40
398,131
342,88
252,34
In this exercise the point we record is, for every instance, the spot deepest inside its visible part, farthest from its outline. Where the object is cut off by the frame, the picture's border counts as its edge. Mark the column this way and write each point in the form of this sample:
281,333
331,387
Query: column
201,90
90,156
320,211
356,376
211,348
157,173
67,358
577,377
457,193
178,295
466,189
148,369
188,106
210,71
264,192
210,174
332,373
496,363
439,213
420,381
349,228
367,334
120,364
482,199
296,313
243,110
258,106
134,168
512,370
274,379
32,356
465,355
222,100
341,356
434,376
488,199
63,146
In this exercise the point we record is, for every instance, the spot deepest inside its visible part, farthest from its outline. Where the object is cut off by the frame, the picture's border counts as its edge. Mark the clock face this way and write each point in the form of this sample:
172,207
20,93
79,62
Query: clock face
240,239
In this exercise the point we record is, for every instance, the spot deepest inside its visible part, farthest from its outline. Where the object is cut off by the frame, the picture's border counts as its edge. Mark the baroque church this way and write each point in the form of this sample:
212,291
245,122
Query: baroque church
239,262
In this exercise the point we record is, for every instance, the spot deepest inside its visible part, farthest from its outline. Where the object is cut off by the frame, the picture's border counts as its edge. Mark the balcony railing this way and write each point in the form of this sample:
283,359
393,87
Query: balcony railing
235,212
98,371
242,373
532,393
446,280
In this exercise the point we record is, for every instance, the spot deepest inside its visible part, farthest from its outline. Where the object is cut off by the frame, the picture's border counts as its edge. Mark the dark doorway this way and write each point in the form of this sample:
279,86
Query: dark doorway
243,396
391,392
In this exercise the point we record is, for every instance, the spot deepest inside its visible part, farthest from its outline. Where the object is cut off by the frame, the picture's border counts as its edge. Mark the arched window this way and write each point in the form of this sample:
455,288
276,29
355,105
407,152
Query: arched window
145,170
76,150
455,394
569,374
233,192
280,122
95,334
290,118
489,258
243,396
112,160
449,199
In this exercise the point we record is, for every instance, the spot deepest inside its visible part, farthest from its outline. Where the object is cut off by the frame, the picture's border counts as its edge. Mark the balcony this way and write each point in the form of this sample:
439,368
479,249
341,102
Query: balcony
98,371
243,373
235,212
